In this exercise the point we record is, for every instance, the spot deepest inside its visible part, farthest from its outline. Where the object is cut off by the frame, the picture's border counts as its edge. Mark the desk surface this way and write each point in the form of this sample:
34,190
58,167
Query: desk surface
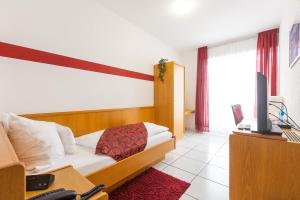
188,112
289,135
68,178
253,134
283,137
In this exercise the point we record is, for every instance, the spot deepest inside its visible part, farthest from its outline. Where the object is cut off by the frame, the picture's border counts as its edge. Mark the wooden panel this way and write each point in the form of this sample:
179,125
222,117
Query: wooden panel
169,98
263,169
12,172
68,178
179,101
12,182
7,152
83,122
163,96
123,169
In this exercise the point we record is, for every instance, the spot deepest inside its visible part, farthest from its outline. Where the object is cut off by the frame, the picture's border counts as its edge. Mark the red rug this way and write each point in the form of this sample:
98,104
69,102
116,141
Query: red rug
151,185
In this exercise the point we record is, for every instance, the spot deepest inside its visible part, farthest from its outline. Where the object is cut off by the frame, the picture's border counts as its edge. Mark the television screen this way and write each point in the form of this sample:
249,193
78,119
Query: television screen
294,44
263,122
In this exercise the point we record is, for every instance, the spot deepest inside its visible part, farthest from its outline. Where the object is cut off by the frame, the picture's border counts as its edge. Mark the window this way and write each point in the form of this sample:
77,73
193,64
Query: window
231,71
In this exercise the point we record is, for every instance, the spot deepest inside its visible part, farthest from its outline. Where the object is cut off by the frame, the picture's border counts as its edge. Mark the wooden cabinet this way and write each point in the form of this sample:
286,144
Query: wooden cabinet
169,98
263,167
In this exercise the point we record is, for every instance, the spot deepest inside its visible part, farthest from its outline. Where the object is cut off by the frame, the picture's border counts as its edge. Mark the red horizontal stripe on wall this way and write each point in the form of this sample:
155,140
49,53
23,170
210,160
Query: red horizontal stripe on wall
23,53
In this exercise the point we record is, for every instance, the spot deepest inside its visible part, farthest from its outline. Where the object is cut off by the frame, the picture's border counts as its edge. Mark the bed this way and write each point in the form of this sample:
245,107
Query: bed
103,169
86,162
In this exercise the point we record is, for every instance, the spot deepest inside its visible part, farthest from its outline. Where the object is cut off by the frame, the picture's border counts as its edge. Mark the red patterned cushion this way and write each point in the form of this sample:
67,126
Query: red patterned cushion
238,114
122,142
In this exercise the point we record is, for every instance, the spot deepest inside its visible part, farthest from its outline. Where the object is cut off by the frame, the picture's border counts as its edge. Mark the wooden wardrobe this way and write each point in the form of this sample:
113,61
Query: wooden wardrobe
169,98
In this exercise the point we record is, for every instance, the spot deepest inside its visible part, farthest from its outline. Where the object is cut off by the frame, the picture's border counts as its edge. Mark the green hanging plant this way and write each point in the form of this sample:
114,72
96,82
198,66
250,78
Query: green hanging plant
162,68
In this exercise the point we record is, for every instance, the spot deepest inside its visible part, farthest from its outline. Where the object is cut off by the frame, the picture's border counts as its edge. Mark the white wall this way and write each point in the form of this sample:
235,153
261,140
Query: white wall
81,29
289,77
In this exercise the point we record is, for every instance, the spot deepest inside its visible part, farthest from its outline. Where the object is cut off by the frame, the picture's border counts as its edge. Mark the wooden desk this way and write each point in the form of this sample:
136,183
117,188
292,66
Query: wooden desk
189,112
68,178
263,167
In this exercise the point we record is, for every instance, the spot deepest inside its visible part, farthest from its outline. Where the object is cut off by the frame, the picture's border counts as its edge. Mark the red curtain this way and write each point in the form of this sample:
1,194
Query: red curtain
202,109
267,57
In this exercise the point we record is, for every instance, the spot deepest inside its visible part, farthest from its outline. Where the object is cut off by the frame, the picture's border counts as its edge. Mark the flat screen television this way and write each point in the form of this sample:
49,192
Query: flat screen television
264,124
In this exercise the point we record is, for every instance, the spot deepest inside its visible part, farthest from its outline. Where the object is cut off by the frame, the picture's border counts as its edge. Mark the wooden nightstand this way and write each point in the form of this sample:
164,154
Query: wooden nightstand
70,179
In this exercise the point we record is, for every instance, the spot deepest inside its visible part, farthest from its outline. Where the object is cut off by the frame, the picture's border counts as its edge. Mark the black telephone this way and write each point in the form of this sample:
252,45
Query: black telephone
39,182
59,194
62,194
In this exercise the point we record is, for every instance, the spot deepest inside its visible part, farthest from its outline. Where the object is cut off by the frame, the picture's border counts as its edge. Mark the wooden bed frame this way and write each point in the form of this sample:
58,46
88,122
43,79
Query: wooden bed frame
12,172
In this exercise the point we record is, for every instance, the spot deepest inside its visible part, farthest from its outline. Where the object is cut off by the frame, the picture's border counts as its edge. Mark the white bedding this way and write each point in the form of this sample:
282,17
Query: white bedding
86,161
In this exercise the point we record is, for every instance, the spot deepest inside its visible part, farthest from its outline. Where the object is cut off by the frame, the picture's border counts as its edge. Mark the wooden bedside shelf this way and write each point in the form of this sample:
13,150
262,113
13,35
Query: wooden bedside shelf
70,179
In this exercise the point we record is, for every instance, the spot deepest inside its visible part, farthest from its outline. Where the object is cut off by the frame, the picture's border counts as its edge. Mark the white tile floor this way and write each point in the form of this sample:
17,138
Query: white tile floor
203,161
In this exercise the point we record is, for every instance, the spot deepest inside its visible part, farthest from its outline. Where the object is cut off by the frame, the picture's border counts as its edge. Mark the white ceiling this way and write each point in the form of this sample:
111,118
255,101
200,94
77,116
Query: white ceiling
209,23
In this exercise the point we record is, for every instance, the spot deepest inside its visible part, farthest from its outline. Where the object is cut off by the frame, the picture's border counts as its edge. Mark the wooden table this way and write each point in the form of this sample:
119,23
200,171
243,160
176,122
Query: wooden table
188,112
70,179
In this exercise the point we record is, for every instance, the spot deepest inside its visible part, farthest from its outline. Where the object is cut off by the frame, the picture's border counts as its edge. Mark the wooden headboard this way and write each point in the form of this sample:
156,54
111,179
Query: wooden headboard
12,172
84,122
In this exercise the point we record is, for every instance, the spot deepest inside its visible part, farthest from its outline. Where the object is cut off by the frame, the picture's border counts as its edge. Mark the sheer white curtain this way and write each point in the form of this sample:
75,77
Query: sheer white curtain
231,69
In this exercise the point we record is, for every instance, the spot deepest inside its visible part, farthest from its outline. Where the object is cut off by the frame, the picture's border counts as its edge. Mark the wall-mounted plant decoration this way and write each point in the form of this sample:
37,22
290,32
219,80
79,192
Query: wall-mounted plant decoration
162,68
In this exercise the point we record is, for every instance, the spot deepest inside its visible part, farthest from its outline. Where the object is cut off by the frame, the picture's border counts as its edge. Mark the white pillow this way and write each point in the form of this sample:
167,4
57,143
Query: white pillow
154,129
89,140
36,143
67,138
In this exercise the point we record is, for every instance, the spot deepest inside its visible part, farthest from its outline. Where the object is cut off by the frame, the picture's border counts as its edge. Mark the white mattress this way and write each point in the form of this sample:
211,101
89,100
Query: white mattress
86,161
